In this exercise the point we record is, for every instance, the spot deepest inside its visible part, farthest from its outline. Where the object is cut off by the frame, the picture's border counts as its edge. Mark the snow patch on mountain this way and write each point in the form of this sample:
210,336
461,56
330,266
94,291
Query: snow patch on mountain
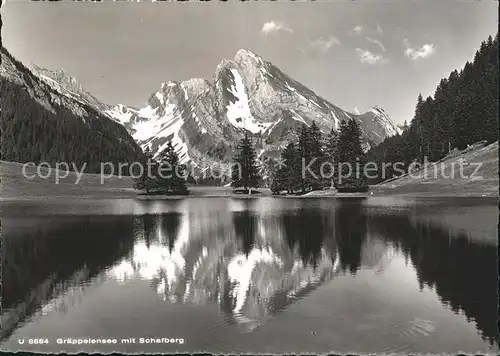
335,120
148,111
271,128
315,103
167,125
120,113
185,92
238,112
373,132
297,117
160,98
179,145
161,125
292,89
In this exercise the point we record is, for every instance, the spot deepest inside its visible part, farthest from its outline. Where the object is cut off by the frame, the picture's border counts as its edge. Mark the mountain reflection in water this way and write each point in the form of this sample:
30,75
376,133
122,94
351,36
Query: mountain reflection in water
251,261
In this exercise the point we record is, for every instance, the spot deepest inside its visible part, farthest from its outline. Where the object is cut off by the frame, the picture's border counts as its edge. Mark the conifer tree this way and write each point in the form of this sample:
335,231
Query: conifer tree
317,157
330,152
245,170
303,153
351,156
310,156
171,173
147,178
287,175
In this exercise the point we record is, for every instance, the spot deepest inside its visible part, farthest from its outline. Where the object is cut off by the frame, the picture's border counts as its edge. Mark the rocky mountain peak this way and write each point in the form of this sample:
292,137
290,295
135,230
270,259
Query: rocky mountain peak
245,55
196,84
168,84
378,109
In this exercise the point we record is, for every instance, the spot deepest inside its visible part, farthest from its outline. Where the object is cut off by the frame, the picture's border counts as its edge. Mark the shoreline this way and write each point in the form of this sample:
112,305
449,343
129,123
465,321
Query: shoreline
218,194
16,187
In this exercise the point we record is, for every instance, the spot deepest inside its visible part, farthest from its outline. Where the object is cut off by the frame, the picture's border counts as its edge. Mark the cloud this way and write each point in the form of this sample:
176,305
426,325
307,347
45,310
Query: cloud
322,45
379,30
369,57
377,42
273,26
358,29
414,53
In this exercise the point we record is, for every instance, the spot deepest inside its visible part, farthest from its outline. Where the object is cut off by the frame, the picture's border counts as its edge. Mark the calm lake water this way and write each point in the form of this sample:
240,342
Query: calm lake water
262,275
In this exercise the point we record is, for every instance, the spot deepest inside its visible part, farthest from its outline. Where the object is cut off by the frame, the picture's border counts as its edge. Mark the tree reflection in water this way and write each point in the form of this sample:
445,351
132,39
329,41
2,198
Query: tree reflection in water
252,262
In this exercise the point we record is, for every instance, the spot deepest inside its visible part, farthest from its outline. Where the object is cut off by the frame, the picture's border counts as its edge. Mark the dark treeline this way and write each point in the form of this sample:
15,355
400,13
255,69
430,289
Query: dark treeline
463,111
312,161
32,133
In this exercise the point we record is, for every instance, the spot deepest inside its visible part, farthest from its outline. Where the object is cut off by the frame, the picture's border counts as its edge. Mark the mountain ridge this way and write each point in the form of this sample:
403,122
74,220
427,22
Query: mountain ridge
42,122
205,117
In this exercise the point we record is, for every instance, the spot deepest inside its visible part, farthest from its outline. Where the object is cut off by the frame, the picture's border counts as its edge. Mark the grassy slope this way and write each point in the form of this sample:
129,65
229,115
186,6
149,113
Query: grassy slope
486,185
483,183
15,185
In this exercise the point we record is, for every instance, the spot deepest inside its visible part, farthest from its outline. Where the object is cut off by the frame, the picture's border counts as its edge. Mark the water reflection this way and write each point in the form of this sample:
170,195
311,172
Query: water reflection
252,263
463,274
47,261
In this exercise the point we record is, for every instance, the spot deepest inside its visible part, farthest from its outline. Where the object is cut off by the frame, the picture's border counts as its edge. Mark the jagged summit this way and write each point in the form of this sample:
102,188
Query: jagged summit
243,53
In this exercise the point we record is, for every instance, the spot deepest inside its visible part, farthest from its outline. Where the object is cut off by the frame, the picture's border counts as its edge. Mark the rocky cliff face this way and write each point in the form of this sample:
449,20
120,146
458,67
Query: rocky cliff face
68,86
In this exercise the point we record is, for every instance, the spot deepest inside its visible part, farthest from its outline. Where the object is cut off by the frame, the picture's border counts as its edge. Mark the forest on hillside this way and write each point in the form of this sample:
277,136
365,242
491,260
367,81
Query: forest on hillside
32,133
462,111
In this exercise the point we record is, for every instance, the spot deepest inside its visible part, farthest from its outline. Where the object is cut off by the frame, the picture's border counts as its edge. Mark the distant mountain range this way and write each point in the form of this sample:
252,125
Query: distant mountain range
204,118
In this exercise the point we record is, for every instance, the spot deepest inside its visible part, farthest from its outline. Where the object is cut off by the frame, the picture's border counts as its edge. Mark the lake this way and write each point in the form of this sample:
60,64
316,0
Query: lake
259,275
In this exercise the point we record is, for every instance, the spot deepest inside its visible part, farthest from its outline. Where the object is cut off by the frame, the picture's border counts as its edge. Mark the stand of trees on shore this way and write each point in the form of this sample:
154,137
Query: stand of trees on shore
314,162
167,176
463,111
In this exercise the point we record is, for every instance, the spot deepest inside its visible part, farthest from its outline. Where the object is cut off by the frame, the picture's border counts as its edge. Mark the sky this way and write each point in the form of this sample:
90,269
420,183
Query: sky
356,54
